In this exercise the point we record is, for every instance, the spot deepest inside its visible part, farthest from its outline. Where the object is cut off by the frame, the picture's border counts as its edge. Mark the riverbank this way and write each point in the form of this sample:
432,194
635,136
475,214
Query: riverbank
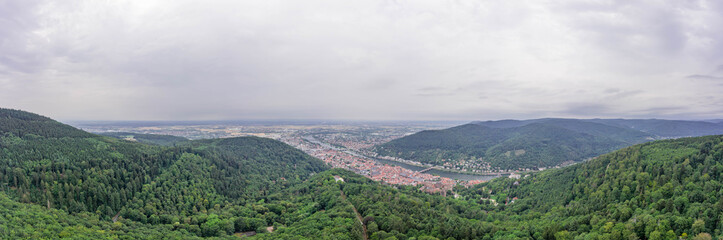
416,168
440,168
439,172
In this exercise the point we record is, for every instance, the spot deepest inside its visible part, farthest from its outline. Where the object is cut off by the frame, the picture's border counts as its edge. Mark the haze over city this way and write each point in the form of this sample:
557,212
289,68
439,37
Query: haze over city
366,60
361,120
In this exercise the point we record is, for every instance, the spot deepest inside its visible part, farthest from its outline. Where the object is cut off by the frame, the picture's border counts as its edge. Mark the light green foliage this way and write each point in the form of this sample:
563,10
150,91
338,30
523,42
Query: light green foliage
215,188
529,146
153,139
662,193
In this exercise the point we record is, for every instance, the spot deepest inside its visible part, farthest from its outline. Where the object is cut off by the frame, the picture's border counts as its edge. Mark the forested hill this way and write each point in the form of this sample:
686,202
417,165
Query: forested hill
21,123
513,144
94,187
529,146
659,190
57,166
156,139
656,128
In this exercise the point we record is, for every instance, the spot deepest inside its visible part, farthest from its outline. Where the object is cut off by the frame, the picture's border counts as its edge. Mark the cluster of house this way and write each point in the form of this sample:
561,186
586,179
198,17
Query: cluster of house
373,169
346,141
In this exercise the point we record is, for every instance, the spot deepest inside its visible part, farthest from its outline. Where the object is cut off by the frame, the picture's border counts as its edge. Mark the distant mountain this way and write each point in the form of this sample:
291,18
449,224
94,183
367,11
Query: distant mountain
601,128
651,127
667,128
59,182
156,139
519,144
21,123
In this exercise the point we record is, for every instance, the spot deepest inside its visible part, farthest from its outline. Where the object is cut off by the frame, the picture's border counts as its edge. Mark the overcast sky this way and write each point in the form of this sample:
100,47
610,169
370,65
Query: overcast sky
366,60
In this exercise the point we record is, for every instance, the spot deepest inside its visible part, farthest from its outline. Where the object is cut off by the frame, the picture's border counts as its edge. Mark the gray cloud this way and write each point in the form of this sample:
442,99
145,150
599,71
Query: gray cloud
185,60
434,91
21,49
586,109
704,77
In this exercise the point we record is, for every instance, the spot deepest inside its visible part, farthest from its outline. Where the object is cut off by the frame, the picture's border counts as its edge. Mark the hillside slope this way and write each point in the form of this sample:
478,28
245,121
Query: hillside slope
660,190
513,144
98,187
55,165
30,221
528,146
21,123
657,190
667,128
155,139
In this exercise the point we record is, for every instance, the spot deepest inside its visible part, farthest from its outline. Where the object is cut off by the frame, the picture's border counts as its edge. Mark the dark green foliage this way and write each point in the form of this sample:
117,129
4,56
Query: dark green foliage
512,144
659,188
155,139
595,127
58,186
316,210
29,221
85,173
403,212
242,161
667,128
631,129
529,146
78,174
21,123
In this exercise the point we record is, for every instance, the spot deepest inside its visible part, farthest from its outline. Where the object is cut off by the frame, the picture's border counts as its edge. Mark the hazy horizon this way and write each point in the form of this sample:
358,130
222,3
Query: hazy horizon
362,61
337,121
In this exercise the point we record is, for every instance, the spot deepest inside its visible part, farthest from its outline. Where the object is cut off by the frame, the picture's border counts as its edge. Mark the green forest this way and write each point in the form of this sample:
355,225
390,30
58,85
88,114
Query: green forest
659,190
155,139
530,146
60,182
536,143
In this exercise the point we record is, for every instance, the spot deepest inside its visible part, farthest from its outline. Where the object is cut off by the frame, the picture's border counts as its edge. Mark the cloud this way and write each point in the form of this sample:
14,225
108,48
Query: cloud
433,91
586,109
476,60
703,77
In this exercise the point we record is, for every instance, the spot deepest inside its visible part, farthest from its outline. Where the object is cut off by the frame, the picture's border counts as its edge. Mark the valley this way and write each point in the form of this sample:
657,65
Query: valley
342,145
361,120
535,144
436,155
58,181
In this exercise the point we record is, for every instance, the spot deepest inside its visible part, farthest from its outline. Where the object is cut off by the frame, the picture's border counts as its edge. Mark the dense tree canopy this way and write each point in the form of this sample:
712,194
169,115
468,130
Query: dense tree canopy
651,191
86,186
529,146
513,144
155,139
57,166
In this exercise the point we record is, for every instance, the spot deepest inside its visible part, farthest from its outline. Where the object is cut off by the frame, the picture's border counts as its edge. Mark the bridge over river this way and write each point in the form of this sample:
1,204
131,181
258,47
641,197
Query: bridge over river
430,170
424,170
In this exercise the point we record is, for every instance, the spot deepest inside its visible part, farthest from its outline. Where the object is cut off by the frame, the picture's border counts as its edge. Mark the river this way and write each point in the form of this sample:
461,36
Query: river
436,172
